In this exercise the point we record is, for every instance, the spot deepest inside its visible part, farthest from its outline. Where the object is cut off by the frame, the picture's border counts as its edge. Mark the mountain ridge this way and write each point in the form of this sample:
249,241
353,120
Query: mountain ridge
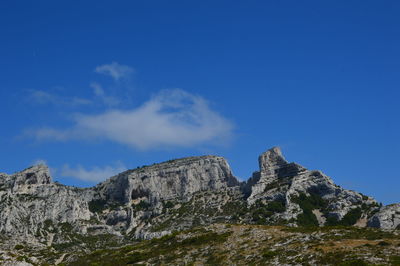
180,194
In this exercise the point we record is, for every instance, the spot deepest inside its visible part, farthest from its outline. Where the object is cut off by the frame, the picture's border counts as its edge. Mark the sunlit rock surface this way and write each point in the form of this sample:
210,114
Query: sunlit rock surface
154,200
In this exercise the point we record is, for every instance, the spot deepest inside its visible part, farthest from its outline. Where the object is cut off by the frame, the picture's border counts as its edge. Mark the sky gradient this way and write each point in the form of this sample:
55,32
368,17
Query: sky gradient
96,87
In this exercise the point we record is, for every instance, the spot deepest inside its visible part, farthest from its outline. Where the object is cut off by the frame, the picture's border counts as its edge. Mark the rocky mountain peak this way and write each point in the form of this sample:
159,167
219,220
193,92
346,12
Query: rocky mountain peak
35,175
274,166
271,158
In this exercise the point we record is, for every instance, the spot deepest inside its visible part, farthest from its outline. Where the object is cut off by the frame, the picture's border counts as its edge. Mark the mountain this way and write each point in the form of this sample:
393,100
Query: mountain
177,195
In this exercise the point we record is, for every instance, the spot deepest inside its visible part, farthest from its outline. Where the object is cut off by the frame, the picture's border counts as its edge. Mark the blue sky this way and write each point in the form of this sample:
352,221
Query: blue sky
95,87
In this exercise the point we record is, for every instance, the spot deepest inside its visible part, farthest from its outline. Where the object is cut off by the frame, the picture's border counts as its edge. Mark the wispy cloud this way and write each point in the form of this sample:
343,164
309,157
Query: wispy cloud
94,174
39,161
172,118
53,171
44,97
100,94
115,70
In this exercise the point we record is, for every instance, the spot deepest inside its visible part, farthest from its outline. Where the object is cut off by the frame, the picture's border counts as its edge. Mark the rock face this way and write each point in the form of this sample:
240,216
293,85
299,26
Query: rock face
30,203
173,179
303,191
178,194
273,168
387,218
143,191
35,175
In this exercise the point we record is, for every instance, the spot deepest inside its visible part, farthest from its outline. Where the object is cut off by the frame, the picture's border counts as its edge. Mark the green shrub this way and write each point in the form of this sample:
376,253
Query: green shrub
169,204
142,205
136,257
18,247
351,217
276,206
308,204
354,262
312,202
332,221
307,218
331,258
66,227
269,254
260,211
395,260
214,259
97,205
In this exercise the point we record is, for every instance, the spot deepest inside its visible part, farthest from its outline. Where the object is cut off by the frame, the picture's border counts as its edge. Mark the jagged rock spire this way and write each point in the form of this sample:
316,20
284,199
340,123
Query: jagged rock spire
269,161
272,157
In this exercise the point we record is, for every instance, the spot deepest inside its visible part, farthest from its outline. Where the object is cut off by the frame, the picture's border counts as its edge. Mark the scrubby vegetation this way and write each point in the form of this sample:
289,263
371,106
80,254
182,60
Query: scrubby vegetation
225,244
260,211
97,205
349,219
256,245
315,202
308,204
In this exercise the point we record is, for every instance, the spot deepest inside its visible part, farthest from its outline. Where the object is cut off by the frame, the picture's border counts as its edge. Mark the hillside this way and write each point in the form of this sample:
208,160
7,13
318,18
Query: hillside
223,244
45,219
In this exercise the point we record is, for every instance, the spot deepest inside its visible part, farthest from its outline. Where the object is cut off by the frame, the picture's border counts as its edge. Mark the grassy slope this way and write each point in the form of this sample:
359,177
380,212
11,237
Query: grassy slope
256,245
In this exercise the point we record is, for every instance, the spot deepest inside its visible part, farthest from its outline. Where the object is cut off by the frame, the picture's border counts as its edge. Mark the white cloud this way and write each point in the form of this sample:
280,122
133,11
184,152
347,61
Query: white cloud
172,118
115,70
100,93
44,97
95,174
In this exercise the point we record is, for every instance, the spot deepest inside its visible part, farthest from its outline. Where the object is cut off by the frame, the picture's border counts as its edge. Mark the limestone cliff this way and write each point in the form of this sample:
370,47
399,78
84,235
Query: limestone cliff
30,202
169,180
35,209
179,194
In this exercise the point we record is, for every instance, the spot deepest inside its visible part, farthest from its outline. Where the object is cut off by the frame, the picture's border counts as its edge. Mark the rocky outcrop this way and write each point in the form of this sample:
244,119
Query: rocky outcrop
144,191
387,218
178,178
298,188
154,200
30,203
273,169
35,175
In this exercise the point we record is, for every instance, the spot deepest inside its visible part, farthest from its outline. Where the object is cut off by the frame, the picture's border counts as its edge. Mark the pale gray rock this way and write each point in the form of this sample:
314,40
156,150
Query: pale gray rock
150,186
173,179
273,168
32,205
35,175
387,218
280,180
154,200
